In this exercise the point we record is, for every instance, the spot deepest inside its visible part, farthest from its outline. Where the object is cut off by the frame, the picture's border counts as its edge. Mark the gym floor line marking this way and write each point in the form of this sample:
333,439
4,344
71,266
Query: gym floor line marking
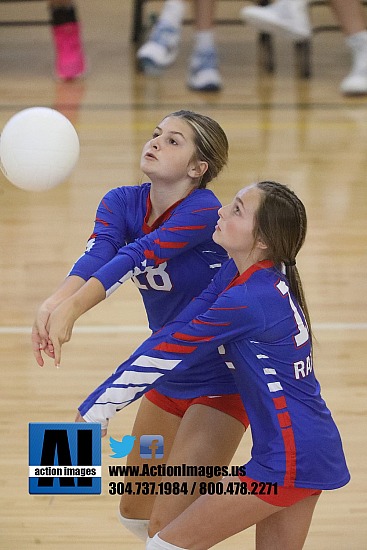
141,329
230,106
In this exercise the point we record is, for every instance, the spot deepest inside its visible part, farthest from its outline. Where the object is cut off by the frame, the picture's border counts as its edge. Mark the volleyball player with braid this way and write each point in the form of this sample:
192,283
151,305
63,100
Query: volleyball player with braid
255,316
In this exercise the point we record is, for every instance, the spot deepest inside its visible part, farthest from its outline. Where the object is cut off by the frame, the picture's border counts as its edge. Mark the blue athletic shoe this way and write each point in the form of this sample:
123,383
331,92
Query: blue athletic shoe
203,72
160,50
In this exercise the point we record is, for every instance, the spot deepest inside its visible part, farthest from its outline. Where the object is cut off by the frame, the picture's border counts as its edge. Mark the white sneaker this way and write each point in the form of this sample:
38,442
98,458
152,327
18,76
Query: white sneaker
160,50
355,83
287,17
203,72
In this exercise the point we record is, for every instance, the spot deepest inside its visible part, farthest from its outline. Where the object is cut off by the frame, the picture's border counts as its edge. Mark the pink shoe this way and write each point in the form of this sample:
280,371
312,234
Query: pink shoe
70,60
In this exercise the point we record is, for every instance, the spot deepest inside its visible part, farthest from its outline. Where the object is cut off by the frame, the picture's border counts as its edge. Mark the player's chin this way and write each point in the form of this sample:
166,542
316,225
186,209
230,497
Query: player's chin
148,171
216,235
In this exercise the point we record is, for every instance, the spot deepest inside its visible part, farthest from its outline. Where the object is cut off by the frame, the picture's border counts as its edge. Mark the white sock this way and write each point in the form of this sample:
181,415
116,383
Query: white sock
156,543
138,527
357,41
173,12
204,40
291,3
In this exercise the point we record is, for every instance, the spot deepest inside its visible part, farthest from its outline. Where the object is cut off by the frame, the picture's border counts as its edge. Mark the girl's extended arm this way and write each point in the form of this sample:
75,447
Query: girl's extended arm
68,287
178,346
62,319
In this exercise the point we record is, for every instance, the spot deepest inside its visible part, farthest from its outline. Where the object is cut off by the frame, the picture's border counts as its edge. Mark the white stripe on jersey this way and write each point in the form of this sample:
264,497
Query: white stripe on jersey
164,364
132,378
269,371
274,386
114,396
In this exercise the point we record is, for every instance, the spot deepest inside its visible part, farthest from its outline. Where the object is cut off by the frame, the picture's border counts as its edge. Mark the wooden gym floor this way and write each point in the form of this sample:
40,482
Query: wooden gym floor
303,133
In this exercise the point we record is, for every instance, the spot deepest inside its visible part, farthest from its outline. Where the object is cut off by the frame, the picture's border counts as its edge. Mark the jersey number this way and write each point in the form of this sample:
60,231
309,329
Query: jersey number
155,278
302,335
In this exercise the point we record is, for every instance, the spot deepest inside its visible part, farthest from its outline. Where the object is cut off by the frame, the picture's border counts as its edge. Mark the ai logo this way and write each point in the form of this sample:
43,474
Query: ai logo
64,458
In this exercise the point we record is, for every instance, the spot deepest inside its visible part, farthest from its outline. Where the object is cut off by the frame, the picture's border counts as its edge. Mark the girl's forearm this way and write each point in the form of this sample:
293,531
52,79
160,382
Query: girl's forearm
88,296
68,287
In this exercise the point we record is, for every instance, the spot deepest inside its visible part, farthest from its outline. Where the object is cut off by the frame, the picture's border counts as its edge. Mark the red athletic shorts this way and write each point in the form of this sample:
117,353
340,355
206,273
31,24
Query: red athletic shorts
281,496
230,404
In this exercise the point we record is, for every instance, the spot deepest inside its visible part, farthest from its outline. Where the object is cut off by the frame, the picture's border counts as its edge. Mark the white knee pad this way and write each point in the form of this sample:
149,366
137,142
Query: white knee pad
156,543
138,527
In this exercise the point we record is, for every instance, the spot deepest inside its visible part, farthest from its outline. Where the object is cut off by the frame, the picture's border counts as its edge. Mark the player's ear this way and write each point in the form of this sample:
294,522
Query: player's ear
260,244
197,168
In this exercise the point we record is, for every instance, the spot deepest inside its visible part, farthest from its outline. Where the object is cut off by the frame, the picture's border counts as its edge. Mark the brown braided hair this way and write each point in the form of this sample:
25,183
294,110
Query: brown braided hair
281,223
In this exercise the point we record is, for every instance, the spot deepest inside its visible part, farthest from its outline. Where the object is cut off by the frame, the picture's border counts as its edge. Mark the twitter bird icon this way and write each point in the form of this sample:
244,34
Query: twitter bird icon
122,448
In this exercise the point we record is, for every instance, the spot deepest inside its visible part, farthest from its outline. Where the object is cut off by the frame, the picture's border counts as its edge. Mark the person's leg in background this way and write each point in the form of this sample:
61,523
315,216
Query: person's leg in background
287,17
161,48
66,33
203,69
351,17
291,18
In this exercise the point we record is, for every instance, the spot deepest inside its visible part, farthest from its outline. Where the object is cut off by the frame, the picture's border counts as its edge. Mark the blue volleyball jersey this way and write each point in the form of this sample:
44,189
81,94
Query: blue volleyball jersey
170,262
257,327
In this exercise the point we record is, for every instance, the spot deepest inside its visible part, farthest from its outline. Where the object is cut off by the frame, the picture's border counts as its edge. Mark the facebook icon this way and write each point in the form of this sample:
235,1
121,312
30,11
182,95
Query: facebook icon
151,446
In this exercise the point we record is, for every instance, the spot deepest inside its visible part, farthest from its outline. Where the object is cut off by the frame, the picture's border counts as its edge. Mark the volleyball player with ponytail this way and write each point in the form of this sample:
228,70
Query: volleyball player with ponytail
255,316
